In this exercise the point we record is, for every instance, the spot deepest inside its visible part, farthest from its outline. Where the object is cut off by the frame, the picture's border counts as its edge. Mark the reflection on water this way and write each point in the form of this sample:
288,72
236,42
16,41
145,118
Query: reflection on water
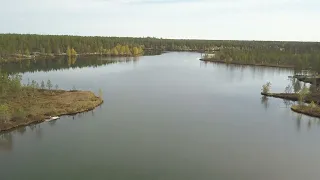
39,132
298,120
63,62
306,122
265,101
257,72
52,123
21,130
287,103
7,138
167,117
6,142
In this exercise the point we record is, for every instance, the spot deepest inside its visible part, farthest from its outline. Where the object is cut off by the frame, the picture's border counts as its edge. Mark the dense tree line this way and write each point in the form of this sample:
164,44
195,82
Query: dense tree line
27,44
57,44
47,44
300,57
304,54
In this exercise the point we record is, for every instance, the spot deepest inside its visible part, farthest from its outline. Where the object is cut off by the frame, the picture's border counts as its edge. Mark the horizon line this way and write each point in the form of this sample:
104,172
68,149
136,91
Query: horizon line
163,38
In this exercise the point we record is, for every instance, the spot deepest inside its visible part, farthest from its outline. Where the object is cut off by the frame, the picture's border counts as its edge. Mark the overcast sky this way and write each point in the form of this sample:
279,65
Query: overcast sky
190,19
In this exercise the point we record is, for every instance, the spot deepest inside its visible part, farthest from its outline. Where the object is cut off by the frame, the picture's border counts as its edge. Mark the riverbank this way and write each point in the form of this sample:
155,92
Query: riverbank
37,105
307,110
53,56
312,110
246,64
313,97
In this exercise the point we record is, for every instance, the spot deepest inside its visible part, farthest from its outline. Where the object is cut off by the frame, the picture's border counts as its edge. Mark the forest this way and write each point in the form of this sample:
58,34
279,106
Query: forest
296,54
299,59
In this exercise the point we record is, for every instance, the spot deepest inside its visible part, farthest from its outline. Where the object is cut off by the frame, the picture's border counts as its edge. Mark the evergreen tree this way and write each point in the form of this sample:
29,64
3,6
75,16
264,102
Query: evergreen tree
49,84
43,86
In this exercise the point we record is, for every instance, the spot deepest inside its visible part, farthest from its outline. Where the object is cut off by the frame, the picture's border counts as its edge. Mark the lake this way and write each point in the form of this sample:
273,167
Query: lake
165,117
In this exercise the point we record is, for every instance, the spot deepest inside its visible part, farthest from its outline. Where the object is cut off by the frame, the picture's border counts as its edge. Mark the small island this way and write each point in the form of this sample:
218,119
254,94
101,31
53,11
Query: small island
23,105
308,98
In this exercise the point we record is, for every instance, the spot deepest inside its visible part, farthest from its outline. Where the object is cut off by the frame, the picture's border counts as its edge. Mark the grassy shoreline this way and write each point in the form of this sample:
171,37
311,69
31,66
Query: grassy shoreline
314,97
45,103
247,64
53,56
306,110
309,110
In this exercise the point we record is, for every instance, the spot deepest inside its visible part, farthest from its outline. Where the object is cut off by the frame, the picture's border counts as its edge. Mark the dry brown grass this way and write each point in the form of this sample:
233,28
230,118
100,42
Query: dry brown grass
35,106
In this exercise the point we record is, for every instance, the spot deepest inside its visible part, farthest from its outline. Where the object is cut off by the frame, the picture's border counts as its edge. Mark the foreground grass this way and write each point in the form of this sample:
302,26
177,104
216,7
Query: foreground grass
36,105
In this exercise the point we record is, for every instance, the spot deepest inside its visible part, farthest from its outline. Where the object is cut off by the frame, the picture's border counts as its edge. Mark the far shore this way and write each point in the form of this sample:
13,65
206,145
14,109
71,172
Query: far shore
247,64
46,103
147,52
43,56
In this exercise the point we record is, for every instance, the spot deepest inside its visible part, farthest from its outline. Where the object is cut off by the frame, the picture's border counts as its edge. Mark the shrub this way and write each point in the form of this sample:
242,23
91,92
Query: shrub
266,88
302,95
312,105
4,112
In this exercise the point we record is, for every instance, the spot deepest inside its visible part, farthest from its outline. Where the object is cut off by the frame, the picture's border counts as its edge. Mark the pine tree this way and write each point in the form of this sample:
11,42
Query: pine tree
43,86
49,84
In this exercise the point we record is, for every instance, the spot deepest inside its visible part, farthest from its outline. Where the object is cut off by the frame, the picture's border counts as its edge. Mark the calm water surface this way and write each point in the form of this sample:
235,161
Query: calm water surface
168,117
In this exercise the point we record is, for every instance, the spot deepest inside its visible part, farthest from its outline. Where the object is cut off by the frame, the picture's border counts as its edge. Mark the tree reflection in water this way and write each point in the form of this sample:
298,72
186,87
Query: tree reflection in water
306,121
265,101
287,103
298,121
39,133
21,130
52,123
63,62
6,142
